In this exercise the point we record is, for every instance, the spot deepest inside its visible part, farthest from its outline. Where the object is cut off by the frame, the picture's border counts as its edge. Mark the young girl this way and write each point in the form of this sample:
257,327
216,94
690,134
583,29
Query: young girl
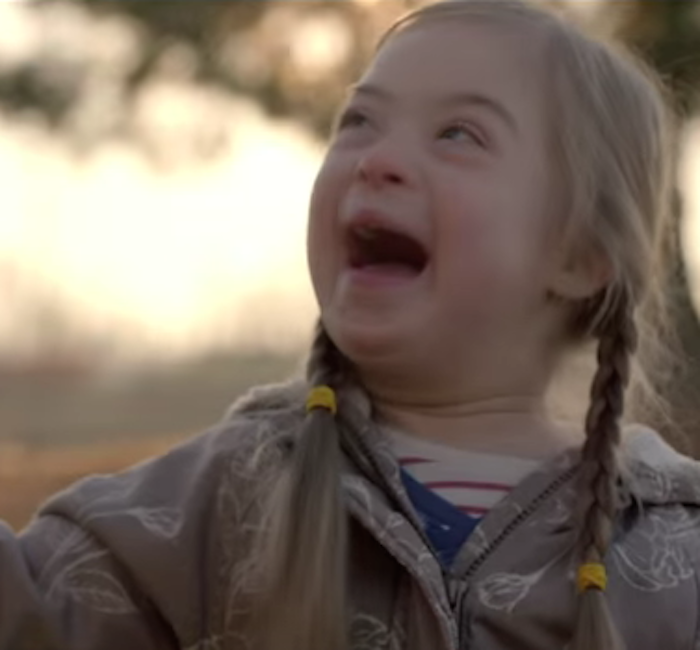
491,200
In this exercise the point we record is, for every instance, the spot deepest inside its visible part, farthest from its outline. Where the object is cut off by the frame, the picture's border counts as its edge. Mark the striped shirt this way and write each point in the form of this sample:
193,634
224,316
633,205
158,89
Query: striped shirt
473,482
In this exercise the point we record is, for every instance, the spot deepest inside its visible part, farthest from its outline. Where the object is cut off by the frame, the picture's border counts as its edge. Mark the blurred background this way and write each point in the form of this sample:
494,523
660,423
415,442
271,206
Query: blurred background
155,165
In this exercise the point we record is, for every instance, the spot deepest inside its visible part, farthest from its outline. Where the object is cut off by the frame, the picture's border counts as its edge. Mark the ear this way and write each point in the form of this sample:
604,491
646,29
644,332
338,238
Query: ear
580,272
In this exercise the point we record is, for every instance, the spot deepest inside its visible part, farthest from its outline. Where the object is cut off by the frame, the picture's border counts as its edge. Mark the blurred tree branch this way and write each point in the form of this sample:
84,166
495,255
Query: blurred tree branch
248,48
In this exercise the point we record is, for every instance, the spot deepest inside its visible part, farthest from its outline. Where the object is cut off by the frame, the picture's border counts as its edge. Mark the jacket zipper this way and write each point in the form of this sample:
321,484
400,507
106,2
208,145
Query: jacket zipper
458,587
368,456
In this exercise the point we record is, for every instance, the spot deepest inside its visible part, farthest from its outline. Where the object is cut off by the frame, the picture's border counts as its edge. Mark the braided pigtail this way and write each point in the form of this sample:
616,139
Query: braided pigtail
595,629
304,603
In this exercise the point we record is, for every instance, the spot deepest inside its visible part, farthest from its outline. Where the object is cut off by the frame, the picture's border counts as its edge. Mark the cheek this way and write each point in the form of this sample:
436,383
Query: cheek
494,250
321,232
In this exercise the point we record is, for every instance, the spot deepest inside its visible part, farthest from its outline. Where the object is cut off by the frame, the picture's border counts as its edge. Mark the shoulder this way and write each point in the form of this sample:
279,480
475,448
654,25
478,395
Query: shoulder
264,412
252,432
657,546
661,547
174,525
653,472
258,430
284,397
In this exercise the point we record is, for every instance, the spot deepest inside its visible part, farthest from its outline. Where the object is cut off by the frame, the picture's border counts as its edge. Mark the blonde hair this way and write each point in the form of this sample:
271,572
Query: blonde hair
610,143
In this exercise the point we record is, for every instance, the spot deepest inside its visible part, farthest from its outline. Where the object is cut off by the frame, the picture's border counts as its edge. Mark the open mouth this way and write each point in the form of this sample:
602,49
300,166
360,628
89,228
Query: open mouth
386,250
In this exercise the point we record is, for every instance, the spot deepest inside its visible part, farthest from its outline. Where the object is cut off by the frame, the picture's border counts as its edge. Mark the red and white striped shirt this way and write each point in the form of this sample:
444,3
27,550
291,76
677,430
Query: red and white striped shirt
474,482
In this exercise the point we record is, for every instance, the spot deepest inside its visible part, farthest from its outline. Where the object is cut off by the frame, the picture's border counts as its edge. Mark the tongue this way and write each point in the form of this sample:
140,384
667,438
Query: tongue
388,253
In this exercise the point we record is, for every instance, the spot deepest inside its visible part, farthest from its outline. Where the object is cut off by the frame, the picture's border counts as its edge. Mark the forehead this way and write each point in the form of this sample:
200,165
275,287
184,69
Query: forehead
439,58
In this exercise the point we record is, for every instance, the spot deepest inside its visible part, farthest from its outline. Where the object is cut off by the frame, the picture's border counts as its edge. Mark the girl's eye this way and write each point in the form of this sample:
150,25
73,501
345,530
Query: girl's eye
351,118
463,132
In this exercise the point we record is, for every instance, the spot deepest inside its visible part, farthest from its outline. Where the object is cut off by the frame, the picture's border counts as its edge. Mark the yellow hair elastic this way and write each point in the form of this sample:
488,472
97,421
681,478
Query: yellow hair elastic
322,397
592,576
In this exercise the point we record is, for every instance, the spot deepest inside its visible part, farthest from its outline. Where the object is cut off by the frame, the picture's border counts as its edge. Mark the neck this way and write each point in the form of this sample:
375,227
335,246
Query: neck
513,425
487,398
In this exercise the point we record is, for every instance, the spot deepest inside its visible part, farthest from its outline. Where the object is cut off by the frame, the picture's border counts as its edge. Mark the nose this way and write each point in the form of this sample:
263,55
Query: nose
385,164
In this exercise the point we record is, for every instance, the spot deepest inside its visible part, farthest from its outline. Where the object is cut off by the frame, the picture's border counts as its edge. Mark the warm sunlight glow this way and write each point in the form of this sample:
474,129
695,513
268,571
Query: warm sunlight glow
320,44
181,262
180,259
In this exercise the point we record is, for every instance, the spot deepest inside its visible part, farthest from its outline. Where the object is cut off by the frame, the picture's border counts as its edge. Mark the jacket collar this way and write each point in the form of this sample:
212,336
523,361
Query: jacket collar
651,470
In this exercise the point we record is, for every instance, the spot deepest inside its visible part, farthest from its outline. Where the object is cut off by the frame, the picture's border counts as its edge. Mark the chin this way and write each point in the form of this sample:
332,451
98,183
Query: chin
370,344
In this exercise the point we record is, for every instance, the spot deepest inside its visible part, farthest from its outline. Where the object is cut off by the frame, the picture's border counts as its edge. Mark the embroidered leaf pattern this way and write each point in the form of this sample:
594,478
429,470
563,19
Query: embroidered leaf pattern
503,591
98,590
64,540
653,558
369,633
162,522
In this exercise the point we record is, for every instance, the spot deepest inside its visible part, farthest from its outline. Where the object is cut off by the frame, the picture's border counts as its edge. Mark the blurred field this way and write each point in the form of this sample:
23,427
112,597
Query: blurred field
62,405
29,475
58,426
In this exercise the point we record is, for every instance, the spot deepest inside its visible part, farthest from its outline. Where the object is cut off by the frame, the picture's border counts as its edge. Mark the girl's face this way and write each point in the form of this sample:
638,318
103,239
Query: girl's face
429,217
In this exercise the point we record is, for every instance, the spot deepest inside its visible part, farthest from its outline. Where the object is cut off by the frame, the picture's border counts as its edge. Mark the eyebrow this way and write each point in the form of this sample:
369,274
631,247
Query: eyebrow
453,99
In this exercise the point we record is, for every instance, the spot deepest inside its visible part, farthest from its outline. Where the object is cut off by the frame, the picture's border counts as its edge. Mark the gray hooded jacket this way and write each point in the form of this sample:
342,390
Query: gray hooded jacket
160,556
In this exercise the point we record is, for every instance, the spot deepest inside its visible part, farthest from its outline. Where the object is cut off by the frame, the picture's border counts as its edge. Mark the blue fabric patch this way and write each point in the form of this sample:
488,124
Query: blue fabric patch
446,526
